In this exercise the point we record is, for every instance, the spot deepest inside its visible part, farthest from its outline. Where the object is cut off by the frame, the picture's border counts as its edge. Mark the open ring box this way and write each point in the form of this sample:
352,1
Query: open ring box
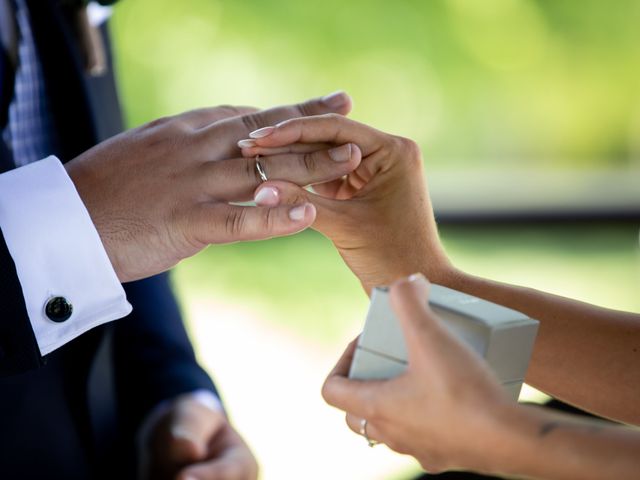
503,337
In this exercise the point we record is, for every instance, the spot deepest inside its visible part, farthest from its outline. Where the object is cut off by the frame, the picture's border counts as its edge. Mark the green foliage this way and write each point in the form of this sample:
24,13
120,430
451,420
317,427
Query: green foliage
551,83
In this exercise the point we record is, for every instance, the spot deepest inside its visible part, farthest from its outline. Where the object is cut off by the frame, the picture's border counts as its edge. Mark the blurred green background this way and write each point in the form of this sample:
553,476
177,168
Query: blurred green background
539,85
551,82
545,84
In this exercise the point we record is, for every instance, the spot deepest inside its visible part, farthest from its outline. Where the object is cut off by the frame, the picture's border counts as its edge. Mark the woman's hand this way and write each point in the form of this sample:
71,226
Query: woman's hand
447,410
379,216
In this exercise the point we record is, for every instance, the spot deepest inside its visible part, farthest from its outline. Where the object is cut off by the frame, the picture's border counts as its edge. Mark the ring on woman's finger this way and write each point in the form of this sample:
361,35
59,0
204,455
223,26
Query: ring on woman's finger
260,169
363,432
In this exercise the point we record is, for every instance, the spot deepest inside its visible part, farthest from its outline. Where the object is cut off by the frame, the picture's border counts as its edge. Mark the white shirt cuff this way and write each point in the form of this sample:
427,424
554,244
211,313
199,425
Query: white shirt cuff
57,252
202,396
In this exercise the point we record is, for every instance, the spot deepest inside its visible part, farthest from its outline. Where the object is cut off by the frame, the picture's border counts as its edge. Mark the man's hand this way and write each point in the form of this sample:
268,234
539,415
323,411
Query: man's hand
379,216
161,192
195,442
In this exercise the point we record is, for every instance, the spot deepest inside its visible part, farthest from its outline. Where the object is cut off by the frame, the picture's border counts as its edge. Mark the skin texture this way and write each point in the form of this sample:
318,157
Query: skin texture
194,441
160,193
381,220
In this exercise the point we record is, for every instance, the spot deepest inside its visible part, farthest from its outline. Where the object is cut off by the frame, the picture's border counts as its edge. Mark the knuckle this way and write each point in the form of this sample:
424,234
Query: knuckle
309,162
334,117
227,108
326,392
270,220
252,121
167,136
432,465
409,147
235,221
158,122
305,109
290,121
351,422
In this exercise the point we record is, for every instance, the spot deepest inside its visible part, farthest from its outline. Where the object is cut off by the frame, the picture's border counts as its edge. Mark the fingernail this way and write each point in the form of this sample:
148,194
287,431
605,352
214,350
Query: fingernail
417,277
267,196
262,132
335,99
246,143
189,477
179,432
420,283
341,154
298,213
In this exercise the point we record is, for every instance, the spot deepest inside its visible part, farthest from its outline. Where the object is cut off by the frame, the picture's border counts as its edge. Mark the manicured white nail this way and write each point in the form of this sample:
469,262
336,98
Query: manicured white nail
420,283
341,154
267,196
416,277
335,99
262,132
190,477
179,432
246,143
297,213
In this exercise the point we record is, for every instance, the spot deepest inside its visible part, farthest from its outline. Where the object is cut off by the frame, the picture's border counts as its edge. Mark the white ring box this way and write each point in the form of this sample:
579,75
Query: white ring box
503,337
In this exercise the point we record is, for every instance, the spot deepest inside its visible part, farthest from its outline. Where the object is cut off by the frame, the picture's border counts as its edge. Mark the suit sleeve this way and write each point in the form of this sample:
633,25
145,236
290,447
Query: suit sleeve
19,350
153,357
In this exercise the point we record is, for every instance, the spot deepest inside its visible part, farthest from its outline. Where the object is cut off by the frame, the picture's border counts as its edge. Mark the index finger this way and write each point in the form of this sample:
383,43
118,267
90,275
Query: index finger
237,128
409,300
343,365
354,396
329,128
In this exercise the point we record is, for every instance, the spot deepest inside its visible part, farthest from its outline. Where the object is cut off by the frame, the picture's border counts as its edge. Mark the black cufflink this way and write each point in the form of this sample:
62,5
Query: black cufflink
58,309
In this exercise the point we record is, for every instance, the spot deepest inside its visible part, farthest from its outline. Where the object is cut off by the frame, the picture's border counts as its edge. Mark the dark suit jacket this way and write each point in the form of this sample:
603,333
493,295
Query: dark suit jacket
74,413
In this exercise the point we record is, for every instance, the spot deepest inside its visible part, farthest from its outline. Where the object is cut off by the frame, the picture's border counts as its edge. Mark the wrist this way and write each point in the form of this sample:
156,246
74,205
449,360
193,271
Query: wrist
452,277
386,269
511,441
85,183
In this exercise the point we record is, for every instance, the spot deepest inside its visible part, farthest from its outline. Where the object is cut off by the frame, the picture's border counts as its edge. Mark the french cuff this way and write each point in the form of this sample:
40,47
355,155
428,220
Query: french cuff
67,280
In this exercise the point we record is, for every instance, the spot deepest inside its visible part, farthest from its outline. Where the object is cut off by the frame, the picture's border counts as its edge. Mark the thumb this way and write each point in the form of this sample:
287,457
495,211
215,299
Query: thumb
329,212
409,300
192,427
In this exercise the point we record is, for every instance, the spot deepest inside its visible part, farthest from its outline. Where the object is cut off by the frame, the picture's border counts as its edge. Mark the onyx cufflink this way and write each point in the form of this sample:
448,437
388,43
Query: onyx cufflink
58,309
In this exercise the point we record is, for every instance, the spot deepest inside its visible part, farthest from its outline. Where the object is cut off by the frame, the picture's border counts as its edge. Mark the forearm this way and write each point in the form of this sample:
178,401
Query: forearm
540,444
586,355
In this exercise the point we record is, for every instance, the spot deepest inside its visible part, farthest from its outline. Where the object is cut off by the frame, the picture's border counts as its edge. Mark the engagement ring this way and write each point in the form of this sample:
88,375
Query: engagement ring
363,432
